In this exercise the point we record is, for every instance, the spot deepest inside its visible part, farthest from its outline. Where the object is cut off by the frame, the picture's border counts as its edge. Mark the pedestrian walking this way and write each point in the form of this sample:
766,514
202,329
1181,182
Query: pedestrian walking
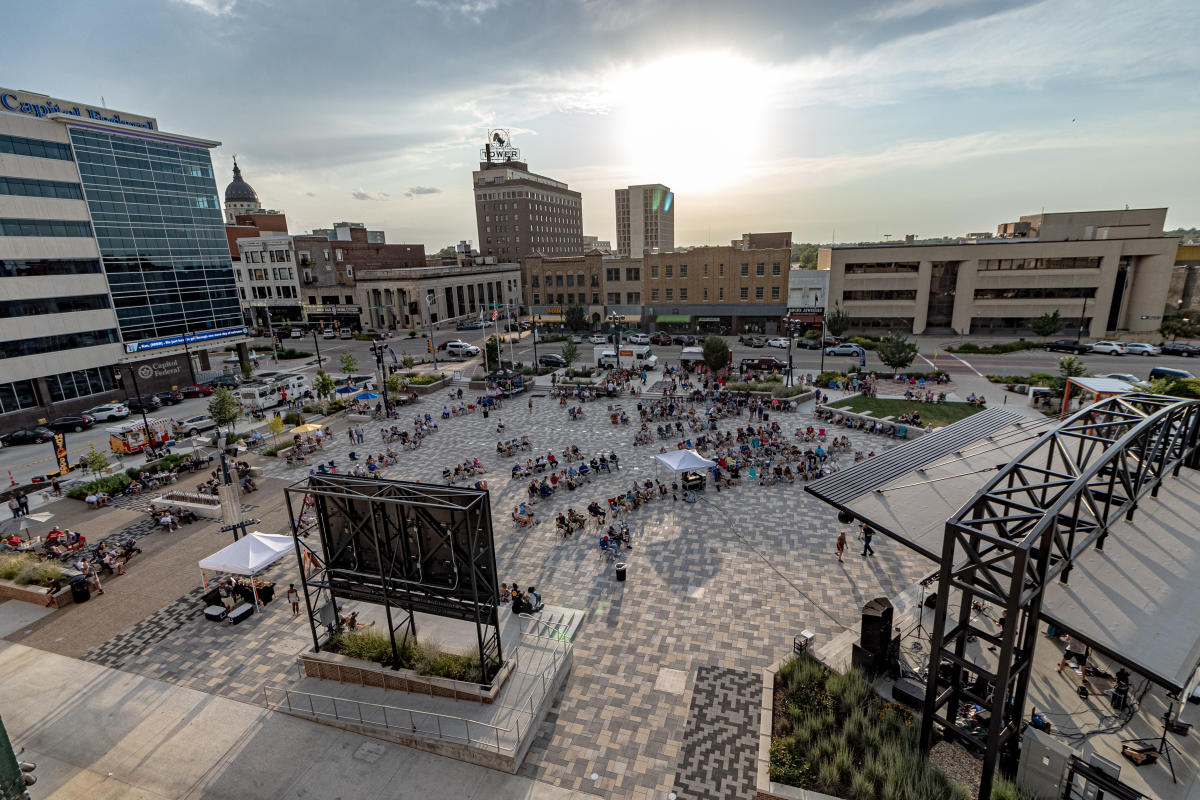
841,544
23,501
531,405
293,597
14,506
867,533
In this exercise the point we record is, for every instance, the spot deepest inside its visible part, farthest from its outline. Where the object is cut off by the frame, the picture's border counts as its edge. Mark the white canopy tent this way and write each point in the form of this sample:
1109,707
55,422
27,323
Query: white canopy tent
249,556
684,461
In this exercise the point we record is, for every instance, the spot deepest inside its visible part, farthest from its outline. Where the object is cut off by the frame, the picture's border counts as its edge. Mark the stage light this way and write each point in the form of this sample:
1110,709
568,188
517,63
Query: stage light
845,517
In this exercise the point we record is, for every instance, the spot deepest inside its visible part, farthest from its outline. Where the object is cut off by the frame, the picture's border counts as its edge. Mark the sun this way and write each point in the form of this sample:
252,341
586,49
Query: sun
693,121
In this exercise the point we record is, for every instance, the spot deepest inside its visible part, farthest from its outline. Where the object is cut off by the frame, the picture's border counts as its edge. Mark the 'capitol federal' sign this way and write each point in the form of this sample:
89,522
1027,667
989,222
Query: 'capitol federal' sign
39,105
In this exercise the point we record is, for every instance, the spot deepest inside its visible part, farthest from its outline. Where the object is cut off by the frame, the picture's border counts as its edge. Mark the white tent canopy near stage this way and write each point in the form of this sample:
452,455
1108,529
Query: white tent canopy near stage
248,556
684,461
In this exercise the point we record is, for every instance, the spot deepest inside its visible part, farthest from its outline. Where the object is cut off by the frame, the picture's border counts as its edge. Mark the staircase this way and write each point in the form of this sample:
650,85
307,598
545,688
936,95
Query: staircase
565,622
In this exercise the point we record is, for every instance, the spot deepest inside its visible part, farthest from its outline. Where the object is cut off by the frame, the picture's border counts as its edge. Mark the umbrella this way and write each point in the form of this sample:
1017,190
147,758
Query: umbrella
366,396
346,390
307,427
19,525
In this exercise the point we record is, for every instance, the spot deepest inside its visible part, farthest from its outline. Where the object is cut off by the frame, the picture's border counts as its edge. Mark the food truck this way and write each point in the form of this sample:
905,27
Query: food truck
130,436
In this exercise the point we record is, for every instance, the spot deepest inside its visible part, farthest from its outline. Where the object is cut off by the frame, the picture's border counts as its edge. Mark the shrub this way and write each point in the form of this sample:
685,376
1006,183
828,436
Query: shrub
994,349
417,379
288,353
11,564
38,573
865,342
109,484
164,463
275,449
440,664
829,375
412,334
786,764
291,418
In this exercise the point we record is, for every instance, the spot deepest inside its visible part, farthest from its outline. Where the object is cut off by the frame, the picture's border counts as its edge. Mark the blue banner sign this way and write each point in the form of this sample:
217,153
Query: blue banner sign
43,106
176,341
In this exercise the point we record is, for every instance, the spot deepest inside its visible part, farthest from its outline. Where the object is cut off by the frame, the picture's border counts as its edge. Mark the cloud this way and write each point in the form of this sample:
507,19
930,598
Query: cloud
471,9
905,9
311,194
218,8
363,194
413,191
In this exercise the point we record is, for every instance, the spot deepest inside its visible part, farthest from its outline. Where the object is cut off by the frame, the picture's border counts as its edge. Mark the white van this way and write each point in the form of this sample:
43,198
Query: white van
257,395
637,356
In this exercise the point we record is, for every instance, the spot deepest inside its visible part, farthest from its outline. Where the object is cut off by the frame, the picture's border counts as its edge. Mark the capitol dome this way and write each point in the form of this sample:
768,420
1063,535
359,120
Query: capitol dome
238,191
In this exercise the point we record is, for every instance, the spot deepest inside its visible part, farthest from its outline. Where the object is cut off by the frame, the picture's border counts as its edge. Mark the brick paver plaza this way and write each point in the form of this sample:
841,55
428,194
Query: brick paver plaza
715,588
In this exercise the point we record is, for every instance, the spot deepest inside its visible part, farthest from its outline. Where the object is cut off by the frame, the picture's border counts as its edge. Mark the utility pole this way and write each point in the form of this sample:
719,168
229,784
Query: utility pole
1082,317
317,346
430,299
138,393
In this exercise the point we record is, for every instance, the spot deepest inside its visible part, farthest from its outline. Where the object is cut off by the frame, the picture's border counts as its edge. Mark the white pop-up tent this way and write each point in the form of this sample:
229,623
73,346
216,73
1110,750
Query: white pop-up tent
684,461
249,556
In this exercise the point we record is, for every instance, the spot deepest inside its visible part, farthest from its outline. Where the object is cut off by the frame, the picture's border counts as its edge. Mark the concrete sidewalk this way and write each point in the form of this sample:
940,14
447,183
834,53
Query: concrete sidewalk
102,733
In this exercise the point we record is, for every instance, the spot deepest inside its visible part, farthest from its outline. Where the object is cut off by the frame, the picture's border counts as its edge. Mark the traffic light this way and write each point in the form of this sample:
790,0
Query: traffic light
429,344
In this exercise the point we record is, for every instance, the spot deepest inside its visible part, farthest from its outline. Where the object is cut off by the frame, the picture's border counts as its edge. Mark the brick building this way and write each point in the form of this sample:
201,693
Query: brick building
519,212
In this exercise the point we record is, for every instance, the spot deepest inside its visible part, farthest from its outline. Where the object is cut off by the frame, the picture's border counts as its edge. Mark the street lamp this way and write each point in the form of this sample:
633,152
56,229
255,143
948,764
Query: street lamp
617,320
387,411
317,346
430,300
537,320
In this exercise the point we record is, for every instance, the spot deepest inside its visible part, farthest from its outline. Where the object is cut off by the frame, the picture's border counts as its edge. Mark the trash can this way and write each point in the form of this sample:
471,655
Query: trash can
80,592
620,571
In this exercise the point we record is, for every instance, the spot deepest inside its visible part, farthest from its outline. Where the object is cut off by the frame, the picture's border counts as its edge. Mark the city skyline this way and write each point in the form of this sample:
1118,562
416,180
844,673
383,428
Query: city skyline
927,117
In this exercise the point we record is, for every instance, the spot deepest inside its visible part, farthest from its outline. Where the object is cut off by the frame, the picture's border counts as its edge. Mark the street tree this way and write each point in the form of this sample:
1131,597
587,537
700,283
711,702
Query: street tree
408,361
576,317
323,385
1047,324
95,461
275,425
896,350
1069,367
223,407
837,321
570,352
394,384
715,351
491,352
348,363
1176,326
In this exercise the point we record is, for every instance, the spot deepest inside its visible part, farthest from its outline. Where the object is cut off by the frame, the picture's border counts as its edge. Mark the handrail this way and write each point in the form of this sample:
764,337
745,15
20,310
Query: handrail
561,628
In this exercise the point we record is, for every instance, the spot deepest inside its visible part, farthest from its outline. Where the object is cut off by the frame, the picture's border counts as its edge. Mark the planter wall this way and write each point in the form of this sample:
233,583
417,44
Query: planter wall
766,789
911,433
33,594
199,509
337,667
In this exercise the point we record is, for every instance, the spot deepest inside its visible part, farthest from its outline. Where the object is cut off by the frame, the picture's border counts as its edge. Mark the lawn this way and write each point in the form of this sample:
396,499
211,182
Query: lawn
936,414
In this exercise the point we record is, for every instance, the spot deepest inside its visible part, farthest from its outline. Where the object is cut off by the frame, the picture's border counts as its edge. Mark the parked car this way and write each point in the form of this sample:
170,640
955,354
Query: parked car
108,412
1142,349
552,360
808,344
1167,372
754,341
577,338
329,333
685,340
27,436
75,423
1179,349
638,338
192,426
659,338
296,333
139,404
170,397
758,363
830,341
1111,348
465,325
1068,346
228,380
461,349
1125,376
781,342
597,338
844,349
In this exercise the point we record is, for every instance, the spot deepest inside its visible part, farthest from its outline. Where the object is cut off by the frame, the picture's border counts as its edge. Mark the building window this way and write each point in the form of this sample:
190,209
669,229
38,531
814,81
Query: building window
52,305
20,146
706,293
745,293
30,187
882,266
683,270
745,270
614,298
775,268
570,280
758,293
537,299
683,293
571,298
612,274
579,278
879,294
774,292
721,270
633,298
595,281
340,255
533,281
633,273
80,383
704,270
760,269
18,395
654,295
720,292
63,341
1077,262
668,270
595,298
654,272
558,281
44,227
1036,293
27,268
670,293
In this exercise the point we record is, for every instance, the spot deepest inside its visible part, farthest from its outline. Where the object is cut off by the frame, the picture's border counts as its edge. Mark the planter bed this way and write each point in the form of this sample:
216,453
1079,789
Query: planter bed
337,667
187,500
33,594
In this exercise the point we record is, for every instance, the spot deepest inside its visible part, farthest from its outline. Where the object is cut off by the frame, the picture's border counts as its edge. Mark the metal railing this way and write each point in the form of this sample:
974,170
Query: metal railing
430,724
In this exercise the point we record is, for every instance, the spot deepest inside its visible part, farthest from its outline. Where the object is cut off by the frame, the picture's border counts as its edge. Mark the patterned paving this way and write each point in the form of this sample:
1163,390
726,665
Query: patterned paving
720,584
720,744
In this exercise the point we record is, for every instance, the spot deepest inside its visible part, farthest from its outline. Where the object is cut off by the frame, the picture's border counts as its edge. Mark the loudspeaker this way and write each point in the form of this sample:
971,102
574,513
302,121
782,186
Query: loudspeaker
931,601
909,693
864,659
876,625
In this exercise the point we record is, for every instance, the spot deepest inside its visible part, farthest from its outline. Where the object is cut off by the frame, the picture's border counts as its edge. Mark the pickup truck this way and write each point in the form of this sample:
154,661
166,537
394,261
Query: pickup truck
762,364
1068,346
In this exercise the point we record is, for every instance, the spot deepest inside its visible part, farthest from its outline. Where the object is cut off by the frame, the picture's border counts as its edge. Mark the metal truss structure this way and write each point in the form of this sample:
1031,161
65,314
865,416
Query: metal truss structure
1025,528
406,546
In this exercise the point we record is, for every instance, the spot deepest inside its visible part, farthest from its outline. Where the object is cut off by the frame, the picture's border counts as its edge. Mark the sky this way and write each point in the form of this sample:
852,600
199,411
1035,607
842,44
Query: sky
846,121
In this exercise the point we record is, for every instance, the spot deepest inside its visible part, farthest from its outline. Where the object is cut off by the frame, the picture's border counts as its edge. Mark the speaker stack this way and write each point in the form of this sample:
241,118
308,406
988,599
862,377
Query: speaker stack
871,654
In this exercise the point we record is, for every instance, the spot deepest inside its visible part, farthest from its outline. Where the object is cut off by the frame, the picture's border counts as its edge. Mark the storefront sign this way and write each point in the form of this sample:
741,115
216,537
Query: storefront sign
176,341
163,368
708,319
332,309
807,310
39,105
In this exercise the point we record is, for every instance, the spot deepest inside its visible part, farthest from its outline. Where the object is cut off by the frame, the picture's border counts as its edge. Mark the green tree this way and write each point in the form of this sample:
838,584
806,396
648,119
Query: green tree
570,352
1069,367
812,333
1176,326
95,461
223,407
447,252
1047,324
896,351
275,425
348,363
323,385
805,255
394,384
247,370
576,317
491,352
716,352
408,361
837,321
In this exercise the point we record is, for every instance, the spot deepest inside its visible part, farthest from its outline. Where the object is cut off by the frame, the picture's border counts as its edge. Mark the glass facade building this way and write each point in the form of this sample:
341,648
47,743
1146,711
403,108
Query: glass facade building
160,230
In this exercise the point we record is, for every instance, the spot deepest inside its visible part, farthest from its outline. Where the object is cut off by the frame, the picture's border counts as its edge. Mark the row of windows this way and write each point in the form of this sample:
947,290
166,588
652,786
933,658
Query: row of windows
885,323
882,266
273,256
20,146
80,383
31,187
18,395
631,298
631,273
1070,262
743,293
52,305
266,293
274,273
880,294
1036,293
44,227
28,268
52,344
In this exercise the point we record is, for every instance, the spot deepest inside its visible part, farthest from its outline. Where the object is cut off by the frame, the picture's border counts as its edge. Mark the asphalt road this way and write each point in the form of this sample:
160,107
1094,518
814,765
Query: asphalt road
28,460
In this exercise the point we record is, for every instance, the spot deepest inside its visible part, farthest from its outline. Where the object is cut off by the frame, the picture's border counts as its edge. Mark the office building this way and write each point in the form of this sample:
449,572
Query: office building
1109,269
518,212
268,283
1184,293
602,284
113,257
763,241
808,292
341,232
591,243
722,289
412,298
645,219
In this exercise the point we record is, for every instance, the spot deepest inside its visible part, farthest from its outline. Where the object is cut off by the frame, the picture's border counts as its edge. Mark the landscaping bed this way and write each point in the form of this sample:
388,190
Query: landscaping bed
935,414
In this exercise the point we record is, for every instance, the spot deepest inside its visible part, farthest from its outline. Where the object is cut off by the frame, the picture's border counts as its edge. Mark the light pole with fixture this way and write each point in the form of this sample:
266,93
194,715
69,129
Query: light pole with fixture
148,447
430,301
617,320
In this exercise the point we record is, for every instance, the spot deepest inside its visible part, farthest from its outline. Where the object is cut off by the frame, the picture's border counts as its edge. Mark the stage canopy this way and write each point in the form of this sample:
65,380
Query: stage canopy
684,461
249,555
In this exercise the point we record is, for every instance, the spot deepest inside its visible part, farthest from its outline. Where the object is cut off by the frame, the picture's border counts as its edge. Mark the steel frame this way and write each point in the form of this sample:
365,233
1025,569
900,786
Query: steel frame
1025,528
466,544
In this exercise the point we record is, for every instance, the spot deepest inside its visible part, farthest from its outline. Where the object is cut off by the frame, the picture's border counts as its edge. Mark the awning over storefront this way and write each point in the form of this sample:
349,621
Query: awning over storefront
674,318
